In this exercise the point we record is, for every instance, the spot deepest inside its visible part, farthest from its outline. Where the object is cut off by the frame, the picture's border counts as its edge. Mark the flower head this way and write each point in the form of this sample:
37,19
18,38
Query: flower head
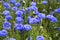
31,20
8,17
6,25
6,12
34,8
19,19
39,38
17,4
6,5
19,27
52,18
13,1
44,2
14,8
3,33
19,13
33,4
57,10
27,27
41,15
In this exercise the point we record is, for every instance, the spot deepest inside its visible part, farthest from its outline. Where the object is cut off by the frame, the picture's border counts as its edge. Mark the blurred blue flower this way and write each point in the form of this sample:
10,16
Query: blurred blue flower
6,25
57,10
41,15
39,38
33,4
19,13
6,5
27,27
17,4
8,17
44,2
6,12
11,39
19,19
52,18
3,33
19,27
34,8
12,1
14,8
31,20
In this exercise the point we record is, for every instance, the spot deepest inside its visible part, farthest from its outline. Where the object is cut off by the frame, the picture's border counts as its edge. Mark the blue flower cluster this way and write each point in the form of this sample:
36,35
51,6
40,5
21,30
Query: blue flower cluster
6,24
19,17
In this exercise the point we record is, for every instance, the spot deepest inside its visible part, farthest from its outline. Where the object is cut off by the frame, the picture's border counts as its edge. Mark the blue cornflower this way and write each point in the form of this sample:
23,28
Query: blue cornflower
27,27
33,4
6,5
17,4
34,8
39,38
41,15
6,12
14,8
31,20
19,19
7,25
8,17
19,13
44,2
3,33
52,18
19,27
57,10
11,39
13,1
